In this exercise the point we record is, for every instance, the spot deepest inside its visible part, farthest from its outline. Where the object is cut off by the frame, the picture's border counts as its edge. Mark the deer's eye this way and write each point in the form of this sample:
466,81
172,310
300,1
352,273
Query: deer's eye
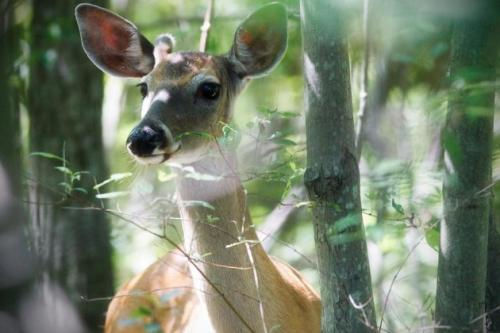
143,88
209,90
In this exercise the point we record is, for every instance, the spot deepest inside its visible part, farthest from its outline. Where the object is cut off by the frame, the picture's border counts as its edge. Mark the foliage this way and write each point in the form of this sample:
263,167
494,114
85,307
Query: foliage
400,167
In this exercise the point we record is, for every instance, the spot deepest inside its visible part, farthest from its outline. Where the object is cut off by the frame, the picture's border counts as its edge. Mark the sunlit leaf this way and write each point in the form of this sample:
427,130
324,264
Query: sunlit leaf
64,170
113,178
202,176
191,203
112,195
432,238
165,177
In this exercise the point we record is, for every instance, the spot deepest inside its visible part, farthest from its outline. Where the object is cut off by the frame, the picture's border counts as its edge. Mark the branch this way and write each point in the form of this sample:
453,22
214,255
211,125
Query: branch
205,28
280,215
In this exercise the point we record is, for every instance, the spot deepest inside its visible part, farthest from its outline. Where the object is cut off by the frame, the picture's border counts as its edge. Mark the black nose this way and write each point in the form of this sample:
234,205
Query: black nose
143,140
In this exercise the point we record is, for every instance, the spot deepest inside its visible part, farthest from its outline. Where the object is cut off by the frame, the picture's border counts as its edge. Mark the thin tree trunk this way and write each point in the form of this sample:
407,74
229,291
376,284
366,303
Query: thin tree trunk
467,141
65,97
332,175
493,274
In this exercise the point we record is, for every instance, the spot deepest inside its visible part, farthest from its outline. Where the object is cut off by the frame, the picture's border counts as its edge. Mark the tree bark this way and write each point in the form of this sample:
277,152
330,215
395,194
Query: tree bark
65,97
493,274
332,175
467,144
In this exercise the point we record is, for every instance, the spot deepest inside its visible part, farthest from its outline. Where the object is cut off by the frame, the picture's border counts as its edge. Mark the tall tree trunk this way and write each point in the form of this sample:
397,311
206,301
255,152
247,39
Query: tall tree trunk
15,263
493,273
467,144
65,97
332,175
10,149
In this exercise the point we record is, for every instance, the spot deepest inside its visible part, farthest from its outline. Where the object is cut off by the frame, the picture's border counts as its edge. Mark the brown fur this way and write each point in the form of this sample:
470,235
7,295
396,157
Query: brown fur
171,274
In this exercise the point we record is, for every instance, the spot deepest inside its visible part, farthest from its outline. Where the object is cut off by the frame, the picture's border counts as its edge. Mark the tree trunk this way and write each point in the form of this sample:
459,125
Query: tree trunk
493,274
65,97
332,175
10,149
467,144
15,262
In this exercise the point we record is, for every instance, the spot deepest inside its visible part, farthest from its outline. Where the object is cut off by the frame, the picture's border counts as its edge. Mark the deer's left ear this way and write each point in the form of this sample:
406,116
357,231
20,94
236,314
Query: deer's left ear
260,41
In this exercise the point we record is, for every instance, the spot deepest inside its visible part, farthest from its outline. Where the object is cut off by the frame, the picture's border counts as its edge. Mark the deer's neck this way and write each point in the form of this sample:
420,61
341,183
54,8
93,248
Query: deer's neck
218,230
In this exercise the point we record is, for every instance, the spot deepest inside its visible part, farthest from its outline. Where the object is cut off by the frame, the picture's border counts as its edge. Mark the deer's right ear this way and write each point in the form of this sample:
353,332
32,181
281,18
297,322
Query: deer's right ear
260,41
113,43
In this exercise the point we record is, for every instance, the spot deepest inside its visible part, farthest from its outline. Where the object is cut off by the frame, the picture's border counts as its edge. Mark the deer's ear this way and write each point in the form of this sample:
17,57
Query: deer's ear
113,43
260,41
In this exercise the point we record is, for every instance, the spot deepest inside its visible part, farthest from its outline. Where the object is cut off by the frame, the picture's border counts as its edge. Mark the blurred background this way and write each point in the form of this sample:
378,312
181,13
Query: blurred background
76,195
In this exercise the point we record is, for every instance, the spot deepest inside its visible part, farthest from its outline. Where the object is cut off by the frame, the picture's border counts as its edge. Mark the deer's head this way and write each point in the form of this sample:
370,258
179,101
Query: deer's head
184,93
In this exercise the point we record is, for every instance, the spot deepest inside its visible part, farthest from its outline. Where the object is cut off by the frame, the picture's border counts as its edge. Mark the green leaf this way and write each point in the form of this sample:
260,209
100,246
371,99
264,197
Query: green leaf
288,114
303,203
267,112
432,238
141,312
49,156
82,173
231,137
284,142
80,189
191,203
64,170
165,177
112,195
113,178
67,187
195,133
212,219
202,176
397,207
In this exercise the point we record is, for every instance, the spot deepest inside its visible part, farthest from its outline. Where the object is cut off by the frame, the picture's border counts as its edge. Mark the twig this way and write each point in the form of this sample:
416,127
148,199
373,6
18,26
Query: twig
363,94
205,28
361,307
185,254
280,215
394,280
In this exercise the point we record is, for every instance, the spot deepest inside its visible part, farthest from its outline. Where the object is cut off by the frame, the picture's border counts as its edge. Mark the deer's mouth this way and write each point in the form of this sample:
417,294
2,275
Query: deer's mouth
158,156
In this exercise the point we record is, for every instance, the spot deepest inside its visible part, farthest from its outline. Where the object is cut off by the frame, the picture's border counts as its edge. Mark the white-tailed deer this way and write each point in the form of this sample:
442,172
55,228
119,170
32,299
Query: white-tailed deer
236,283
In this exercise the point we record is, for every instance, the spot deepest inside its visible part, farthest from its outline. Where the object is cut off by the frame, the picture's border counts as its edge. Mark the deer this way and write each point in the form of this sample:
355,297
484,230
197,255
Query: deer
227,282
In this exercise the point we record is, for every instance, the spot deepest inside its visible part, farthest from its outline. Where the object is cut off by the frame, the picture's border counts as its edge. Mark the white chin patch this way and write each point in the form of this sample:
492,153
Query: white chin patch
150,160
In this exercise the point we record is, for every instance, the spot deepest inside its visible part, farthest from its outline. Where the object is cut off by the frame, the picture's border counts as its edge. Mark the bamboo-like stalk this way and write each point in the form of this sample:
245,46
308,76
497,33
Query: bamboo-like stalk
467,145
332,175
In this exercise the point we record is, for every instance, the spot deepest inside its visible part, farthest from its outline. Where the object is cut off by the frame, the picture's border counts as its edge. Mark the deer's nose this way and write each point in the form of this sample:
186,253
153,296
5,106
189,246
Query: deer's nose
143,140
